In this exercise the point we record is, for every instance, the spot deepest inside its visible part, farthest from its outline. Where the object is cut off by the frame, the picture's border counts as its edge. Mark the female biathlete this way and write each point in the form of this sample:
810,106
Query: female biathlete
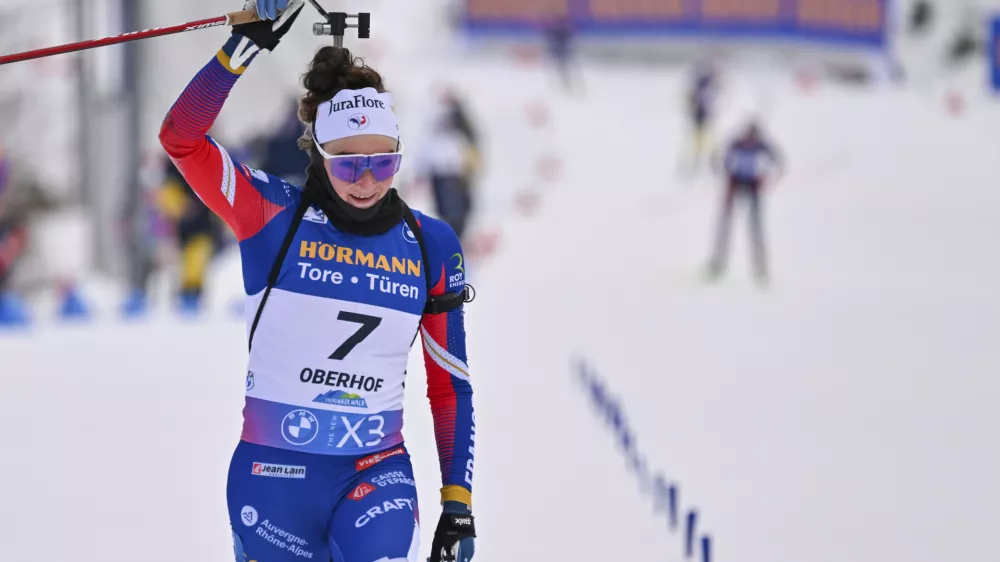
340,277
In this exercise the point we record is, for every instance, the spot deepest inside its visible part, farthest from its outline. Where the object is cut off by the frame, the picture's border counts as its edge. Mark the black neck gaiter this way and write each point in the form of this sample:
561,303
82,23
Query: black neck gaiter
378,219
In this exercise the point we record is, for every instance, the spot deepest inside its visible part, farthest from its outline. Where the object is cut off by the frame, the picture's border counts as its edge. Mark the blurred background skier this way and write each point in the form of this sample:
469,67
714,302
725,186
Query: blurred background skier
198,233
450,161
748,164
559,39
701,100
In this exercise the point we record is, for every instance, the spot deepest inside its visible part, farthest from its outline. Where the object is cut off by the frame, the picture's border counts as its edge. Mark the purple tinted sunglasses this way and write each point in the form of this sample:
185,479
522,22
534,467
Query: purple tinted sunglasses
350,167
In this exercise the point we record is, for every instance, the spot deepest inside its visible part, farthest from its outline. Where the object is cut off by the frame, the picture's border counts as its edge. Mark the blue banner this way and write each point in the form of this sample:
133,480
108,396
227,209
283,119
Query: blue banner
850,22
994,53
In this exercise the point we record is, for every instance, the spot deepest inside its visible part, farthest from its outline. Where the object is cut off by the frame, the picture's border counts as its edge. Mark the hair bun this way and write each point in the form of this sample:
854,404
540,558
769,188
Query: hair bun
327,67
331,70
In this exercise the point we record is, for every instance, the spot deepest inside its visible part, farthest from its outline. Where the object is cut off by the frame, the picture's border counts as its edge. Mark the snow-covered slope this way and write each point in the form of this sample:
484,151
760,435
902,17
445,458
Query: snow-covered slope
846,413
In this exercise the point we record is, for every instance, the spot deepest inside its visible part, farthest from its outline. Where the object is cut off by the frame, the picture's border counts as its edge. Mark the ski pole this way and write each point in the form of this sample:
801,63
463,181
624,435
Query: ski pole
234,18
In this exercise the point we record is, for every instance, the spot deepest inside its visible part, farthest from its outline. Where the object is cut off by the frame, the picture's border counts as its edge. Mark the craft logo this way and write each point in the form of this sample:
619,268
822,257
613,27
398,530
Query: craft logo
358,122
341,398
299,427
278,470
372,460
386,507
361,491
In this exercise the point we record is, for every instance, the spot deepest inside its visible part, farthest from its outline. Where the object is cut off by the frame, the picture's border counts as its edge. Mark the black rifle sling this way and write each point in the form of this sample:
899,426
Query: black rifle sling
411,222
435,304
272,278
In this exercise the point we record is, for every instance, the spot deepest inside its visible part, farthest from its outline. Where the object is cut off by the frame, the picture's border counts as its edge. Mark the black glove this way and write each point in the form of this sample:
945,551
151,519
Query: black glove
453,538
267,34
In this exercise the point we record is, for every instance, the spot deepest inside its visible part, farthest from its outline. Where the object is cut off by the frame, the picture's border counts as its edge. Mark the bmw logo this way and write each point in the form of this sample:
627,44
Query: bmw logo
358,121
299,427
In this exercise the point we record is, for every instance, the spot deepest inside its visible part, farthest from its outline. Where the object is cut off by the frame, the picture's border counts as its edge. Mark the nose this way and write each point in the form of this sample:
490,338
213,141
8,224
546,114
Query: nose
367,180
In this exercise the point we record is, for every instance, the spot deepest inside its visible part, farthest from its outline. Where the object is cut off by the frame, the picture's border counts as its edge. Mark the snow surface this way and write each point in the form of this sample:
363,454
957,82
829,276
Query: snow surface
847,413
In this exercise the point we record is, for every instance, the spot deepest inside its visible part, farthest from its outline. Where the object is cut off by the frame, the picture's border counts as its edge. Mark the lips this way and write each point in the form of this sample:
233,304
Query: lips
363,201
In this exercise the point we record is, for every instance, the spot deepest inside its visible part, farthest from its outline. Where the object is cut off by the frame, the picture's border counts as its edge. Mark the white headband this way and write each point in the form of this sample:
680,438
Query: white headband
356,112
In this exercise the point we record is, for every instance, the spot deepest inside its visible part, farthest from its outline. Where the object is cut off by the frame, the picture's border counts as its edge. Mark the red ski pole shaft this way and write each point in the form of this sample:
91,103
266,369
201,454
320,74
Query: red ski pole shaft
234,18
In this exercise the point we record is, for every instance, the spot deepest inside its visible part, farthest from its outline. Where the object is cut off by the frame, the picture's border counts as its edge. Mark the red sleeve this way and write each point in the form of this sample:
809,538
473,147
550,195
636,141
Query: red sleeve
222,183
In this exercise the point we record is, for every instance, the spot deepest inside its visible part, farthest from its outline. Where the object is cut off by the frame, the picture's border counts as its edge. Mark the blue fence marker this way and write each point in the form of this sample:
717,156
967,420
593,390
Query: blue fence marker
689,533
610,411
673,507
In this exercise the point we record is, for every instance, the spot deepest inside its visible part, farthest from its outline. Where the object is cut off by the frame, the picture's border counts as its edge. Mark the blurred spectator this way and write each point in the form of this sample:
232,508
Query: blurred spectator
747,164
12,240
21,198
450,161
559,33
198,232
921,16
279,152
144,229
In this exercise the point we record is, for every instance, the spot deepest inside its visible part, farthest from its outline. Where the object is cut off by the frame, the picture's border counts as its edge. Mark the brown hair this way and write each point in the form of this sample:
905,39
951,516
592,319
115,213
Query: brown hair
332,69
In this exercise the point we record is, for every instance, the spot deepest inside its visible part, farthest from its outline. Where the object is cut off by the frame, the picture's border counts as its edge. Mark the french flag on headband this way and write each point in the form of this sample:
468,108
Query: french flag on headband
356,112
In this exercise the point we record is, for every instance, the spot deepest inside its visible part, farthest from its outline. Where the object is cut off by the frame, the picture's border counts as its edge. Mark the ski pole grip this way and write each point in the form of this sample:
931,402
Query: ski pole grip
239,18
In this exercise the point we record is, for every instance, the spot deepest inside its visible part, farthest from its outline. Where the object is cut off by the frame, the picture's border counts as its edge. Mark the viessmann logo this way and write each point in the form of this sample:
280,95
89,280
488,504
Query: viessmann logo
372,460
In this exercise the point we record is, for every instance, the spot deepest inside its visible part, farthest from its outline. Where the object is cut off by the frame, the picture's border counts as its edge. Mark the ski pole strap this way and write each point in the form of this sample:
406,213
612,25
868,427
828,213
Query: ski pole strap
272,278
436,304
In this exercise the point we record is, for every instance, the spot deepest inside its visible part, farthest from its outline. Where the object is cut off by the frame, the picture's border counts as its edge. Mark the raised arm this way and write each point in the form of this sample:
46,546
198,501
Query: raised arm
246,200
